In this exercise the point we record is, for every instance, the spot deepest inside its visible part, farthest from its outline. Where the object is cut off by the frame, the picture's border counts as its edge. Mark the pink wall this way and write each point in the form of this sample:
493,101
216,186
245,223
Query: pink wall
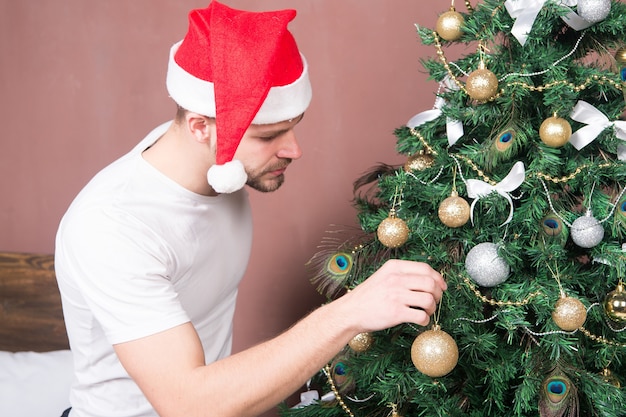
82,81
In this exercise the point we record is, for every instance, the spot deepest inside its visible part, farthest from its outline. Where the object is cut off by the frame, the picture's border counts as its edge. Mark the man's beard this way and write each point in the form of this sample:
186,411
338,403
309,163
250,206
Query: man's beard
256,181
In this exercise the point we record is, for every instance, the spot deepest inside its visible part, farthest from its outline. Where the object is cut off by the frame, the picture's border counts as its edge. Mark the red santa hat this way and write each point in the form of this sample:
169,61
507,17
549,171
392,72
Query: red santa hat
241,68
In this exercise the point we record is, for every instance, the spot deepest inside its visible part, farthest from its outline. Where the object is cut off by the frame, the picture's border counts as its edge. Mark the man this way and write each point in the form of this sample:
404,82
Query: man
150,253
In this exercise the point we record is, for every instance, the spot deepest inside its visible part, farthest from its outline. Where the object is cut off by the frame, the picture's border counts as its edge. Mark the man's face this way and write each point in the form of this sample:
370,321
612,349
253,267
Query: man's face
266,151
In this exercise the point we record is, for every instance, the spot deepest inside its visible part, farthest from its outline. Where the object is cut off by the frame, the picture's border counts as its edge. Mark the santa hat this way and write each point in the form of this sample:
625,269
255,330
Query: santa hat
241,68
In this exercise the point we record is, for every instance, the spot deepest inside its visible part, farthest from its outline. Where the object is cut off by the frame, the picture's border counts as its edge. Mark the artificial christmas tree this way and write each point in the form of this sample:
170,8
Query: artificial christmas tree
514,188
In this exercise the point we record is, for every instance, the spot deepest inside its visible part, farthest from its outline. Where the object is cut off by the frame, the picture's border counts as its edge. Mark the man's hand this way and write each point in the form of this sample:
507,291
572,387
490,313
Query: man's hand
398,292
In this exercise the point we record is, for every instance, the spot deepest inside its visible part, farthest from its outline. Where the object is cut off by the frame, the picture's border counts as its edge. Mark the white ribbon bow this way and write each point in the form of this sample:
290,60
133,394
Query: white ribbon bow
621,153
596,122
454,128
525,12
477,188
307,398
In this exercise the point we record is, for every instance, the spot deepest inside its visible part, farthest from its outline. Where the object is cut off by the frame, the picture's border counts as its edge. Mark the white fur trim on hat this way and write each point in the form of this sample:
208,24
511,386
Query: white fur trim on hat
196,95
227,178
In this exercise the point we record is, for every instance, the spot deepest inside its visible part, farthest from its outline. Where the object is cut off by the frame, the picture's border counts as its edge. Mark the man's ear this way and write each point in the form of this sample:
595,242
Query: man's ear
201,127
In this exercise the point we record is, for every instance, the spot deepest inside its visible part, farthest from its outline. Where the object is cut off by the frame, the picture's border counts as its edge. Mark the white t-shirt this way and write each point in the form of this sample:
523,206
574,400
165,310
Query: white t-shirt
137,254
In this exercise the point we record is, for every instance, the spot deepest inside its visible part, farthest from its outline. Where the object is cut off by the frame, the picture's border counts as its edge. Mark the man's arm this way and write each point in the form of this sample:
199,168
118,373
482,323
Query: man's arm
169,366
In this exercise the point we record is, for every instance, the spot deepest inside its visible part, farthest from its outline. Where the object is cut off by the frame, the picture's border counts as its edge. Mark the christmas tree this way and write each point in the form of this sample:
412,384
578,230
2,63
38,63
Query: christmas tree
514,188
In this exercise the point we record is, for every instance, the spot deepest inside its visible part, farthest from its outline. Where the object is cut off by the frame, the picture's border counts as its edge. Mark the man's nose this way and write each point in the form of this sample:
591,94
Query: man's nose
289,147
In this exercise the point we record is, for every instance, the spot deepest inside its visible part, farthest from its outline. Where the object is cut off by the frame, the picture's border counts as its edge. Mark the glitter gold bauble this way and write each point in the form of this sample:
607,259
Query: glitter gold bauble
615,304
434,353
361,342
449,25
392,232
481,84
555,131
419,162
569,314
454,211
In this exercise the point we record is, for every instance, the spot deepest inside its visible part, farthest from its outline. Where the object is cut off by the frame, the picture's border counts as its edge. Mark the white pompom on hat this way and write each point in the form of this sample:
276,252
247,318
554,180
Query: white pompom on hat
241,68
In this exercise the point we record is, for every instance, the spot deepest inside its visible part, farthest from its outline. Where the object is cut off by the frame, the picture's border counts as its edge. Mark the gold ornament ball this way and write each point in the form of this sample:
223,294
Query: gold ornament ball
555,131
615,304
361,342
434,353
419,162
569,314
620,56
454,211
392,232
481,84
449,25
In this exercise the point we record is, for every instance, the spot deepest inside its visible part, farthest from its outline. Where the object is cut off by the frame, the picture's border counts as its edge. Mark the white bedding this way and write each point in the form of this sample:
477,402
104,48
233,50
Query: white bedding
35,384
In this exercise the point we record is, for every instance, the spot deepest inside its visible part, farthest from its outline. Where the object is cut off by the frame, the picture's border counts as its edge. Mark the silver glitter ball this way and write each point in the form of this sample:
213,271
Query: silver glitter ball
485,266
594,11
587,232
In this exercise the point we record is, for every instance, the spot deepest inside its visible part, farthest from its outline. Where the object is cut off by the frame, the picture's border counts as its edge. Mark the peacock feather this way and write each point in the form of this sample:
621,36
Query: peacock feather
504,144
340,373
558,396
336,262
553,230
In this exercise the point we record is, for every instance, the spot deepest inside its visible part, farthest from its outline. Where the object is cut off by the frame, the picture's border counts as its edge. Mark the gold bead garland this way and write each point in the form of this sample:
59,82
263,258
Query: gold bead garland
576,88
421,138
526,301
336,391
564,178
604,79
600,339
486,179
493,302
478,171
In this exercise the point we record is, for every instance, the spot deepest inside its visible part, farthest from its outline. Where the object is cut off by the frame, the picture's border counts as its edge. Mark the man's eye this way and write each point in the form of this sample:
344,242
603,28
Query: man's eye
269,137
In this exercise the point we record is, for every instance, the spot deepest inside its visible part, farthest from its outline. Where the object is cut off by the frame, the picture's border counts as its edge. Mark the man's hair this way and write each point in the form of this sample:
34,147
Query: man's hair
181,112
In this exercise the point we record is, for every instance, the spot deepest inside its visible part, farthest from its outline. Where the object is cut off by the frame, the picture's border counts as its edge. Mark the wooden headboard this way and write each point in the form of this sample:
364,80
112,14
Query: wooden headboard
31,317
